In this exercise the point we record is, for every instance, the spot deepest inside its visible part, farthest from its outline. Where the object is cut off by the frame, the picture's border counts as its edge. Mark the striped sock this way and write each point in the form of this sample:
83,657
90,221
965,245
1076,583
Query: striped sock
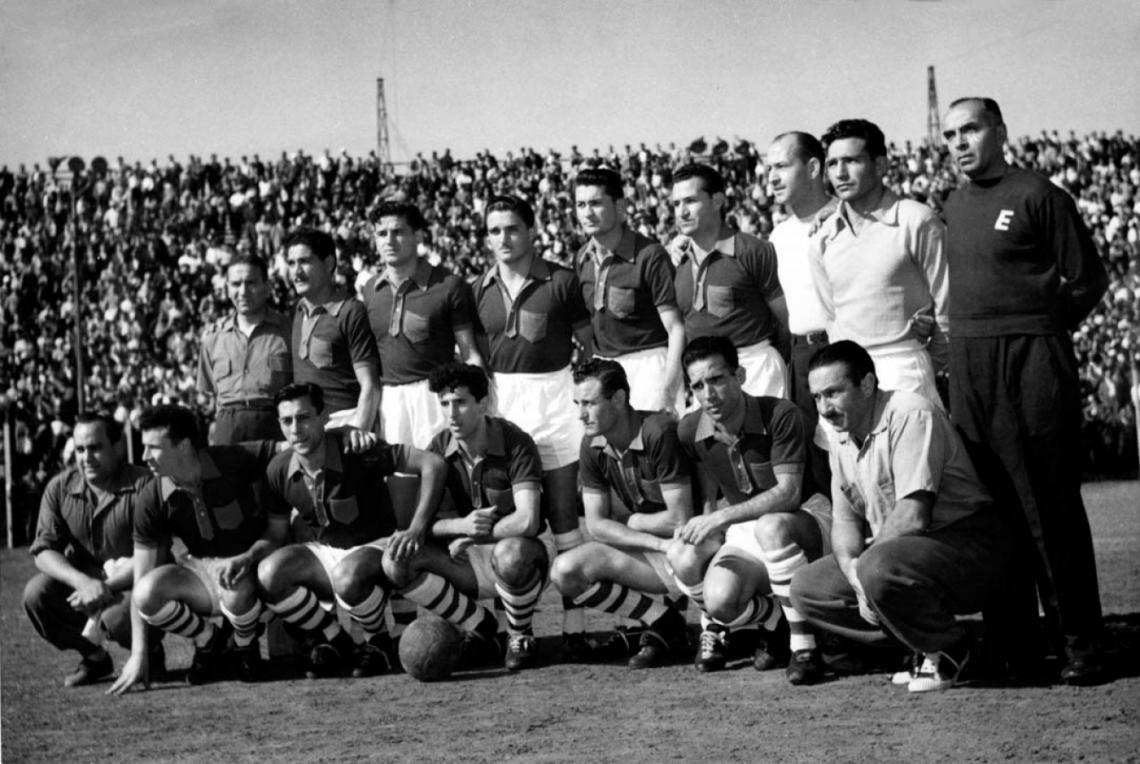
520,605
696,594
369,613
435,593
760,610
403,613
303,609
245,624
573,617
177,618
781,564
621,600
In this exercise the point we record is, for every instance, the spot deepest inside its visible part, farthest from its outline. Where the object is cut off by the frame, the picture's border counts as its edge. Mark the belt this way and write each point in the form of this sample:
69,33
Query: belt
254,405
811,338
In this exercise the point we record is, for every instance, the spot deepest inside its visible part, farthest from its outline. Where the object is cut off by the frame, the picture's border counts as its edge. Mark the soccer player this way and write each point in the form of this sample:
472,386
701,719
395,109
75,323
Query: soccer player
727,283
796,180
902,478
749,450
487,533
245,357
532,312
627,284
210,497
343,501
1024,273
419,312
637,492
82,551
878,264
332,344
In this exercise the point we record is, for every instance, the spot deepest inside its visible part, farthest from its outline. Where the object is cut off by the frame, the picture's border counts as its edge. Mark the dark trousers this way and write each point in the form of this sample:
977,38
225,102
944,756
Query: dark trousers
1016,402
45,601
916,585
234,424
818,472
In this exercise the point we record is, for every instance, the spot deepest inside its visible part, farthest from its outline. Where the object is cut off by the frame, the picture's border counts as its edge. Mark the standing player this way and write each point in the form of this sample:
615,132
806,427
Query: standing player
488,532
627,283
333,346
1024,273
726,282
210,497
82,550
532,311
419,313
344,502
637,492
878,264
245,357
795,178
750,450
903,480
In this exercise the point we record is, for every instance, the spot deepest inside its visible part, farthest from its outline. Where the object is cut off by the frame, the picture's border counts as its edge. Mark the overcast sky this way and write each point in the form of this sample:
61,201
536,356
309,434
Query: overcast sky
145,79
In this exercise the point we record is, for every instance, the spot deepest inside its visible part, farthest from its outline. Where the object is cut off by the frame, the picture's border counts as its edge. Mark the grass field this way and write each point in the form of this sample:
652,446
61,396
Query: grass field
582,713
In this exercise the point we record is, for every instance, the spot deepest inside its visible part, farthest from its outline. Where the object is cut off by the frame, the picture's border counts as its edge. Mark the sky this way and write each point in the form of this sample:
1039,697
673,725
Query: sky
148,79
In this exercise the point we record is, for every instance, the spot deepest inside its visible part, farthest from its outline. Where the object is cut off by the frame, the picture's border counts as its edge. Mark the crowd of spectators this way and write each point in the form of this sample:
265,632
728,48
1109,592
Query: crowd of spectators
150,239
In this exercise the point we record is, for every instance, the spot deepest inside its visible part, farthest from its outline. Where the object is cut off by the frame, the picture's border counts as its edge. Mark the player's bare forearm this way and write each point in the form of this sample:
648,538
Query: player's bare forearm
782,497
678,509
620,535
431,469
368,401
911,516
526,519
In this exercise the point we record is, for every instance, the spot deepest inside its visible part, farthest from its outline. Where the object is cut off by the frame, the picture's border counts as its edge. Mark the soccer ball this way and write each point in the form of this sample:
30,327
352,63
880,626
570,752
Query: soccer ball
429,649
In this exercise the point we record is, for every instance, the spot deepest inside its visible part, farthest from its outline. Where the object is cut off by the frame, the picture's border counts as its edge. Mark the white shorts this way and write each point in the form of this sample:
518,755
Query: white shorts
206,569
906,366
342,418
330,556
742,536
410,414
765,372
645,370
480,555
542,405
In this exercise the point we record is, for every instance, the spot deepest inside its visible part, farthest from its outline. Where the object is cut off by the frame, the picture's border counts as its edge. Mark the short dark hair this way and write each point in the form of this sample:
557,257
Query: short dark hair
989,107
609,374
295,390
873,140
706,347
319,243
113,429
179,422
856,361
253,261
805,146
409,212
603,177
511,204
711,181
455,374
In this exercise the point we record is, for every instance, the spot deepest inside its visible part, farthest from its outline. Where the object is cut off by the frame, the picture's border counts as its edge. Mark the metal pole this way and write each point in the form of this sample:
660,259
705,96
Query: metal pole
76,298
128,433
9,510
1136,403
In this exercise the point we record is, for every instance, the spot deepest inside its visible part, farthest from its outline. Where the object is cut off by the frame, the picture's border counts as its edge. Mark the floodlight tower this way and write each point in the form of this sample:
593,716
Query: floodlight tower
933,121
382,148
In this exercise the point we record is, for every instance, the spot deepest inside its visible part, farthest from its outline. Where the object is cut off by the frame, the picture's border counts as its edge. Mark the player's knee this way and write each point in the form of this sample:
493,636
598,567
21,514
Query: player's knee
515,560
775,530
566,575
684,559
722,602
149,592
270,577
349,582
400,573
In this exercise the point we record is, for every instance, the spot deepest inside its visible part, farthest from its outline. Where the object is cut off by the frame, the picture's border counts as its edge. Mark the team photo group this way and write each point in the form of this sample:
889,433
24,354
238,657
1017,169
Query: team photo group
831,443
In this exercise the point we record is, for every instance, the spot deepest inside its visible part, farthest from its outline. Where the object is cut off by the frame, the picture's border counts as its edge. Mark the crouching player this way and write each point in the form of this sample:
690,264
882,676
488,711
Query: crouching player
488,530
211,498
343,500
749,450
636,491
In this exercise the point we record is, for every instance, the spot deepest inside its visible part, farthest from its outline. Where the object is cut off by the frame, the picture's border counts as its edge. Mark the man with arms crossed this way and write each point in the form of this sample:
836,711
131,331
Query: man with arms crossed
245,358
627,283
637,491
878,264
83,549
1024,273
900,477
750,451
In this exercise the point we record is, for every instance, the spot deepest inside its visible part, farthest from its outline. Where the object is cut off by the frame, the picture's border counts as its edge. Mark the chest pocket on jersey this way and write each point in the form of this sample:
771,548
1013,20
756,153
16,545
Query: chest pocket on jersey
228,517
416,327
719,300
532,326
344,511
762,474
621,301
320,353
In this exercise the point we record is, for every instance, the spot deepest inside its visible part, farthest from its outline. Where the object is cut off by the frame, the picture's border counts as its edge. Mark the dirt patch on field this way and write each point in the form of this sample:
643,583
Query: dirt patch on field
589,713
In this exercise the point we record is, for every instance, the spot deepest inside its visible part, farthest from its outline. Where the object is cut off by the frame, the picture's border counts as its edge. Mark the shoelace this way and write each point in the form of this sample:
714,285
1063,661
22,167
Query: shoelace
710,640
